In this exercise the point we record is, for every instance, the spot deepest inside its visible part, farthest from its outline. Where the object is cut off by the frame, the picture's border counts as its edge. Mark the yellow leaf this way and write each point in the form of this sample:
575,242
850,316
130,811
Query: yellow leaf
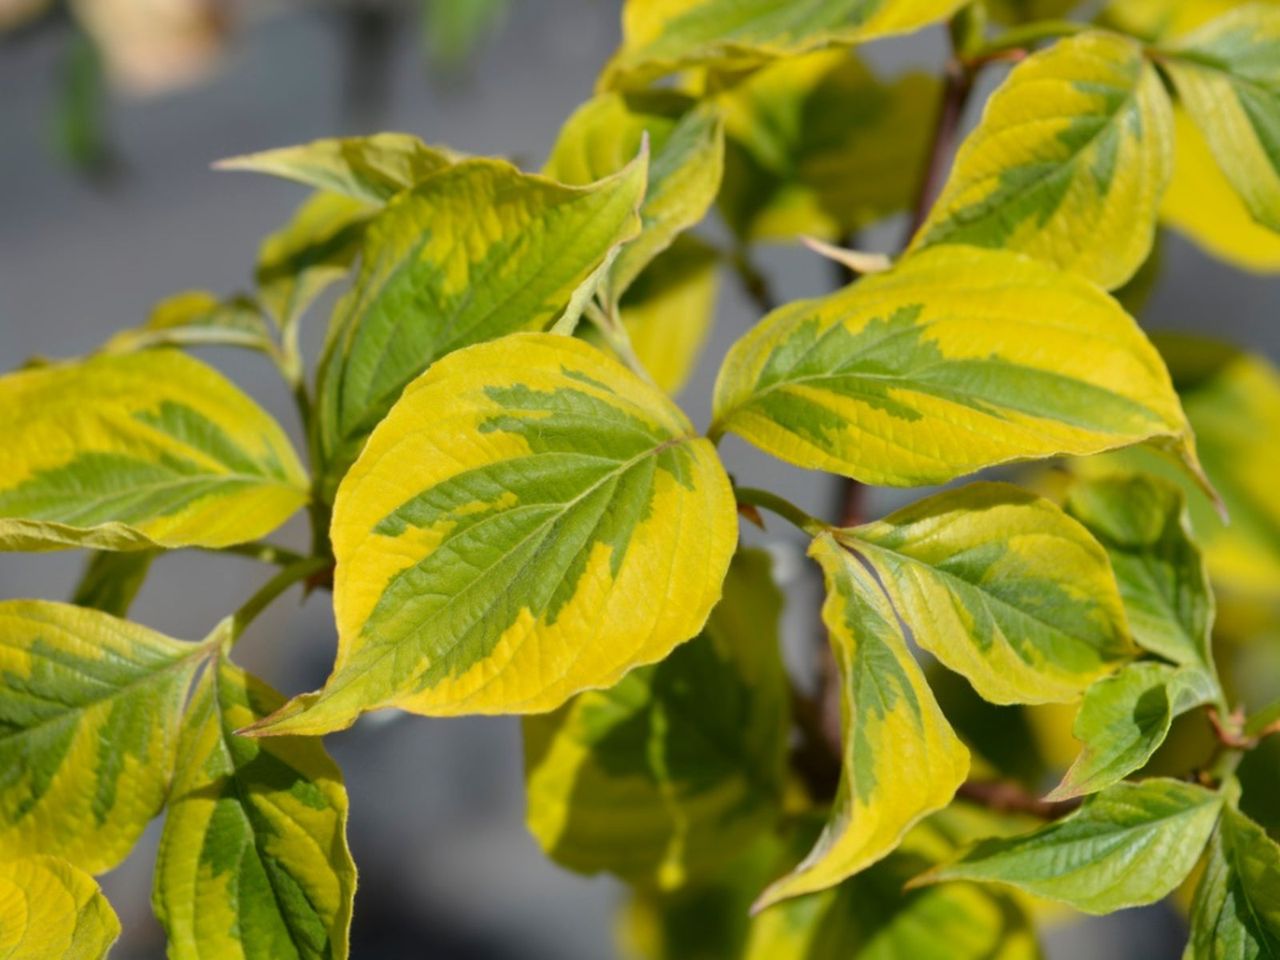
955,360
49,909
125,452
662,36
901,758
521,494
1068,163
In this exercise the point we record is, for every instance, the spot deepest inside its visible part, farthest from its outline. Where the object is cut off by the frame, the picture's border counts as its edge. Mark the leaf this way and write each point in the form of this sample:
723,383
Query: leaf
315,249
1024,11
520,494
480,251
955,360
1003,588
1142,523
373,169
662,36
1158,19
1128,846
1124,718
669,310
1236,912
674,770
819,146
197,318
901,758
869,917
1202,205
1233,401
49,909
1068,163
132,451
686,143
1227,74
253,861
111,581
89,713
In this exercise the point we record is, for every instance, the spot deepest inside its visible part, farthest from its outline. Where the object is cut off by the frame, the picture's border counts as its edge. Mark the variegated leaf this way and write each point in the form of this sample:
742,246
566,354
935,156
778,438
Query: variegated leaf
662,36
818,146
672,772
1068,164
669,311
130,451
1004,588
1227,74
89,713
197,318
479,251
253,862
49,909
901,758
1202,205
522,493
372,169
686,144
955,360
314,249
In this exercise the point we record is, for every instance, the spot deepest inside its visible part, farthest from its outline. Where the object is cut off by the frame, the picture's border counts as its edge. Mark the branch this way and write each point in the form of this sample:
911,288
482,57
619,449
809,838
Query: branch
1005,796
957,85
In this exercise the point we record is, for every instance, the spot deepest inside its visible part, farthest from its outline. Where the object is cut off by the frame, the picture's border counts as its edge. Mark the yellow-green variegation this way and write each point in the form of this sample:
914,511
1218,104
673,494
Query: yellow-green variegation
1201,204
1236,912
314,249
372,169
50,909
89,714
1227,74
129,451
669,774
1068,164
1130,845
669,310
955,360
1004,588
901,759
662,36
870,917
476,252
253,861
818,146
524,496
686,145
197,318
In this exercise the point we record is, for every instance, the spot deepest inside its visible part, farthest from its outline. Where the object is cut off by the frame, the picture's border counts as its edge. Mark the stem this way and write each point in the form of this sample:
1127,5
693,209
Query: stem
614,331
755,497
282,581
957,86
1264,723
264,553
1004,796
1020,38
754,282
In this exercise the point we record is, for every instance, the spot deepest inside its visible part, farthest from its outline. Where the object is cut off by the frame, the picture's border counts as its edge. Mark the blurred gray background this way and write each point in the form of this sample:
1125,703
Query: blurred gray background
447,870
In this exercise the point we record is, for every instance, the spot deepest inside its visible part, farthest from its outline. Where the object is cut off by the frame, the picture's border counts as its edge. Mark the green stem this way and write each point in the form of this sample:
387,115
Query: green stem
264,553
1225,764
1020,38
755,497
273,588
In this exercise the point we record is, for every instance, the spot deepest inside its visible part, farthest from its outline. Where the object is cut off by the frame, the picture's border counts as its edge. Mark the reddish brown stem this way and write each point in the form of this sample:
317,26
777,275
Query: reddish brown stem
1004,796
957,85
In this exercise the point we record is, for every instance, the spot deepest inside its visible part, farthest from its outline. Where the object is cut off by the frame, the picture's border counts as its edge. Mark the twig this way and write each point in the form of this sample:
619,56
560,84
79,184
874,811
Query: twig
755,283
957,85
1004,796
